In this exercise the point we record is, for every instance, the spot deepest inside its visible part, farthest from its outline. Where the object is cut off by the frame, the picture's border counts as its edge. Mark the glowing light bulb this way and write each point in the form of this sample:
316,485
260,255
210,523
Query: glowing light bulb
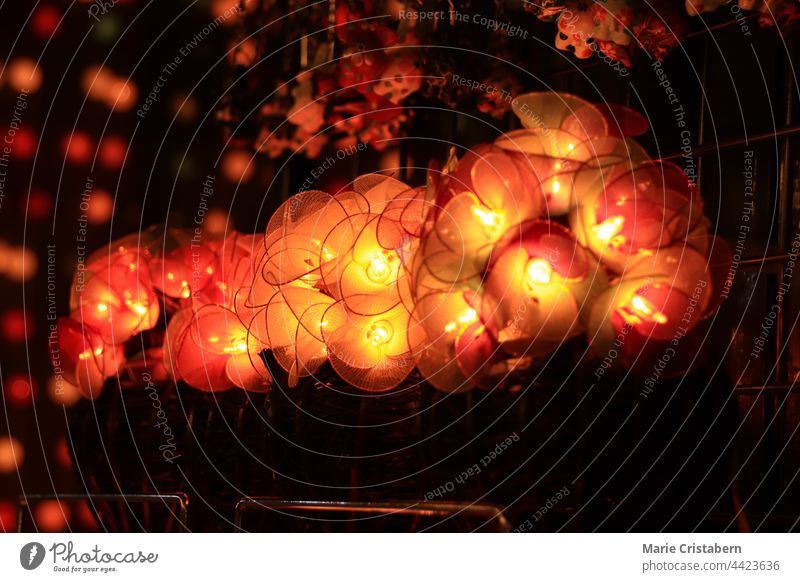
325,251
556,186
539,272
102,307
237,346
644,307
379,269
467,317
640,310
608,231
85,355
491,221
139,308
380,333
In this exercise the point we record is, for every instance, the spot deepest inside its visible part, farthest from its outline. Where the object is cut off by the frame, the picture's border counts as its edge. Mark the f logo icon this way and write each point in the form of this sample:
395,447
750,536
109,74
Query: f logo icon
31,555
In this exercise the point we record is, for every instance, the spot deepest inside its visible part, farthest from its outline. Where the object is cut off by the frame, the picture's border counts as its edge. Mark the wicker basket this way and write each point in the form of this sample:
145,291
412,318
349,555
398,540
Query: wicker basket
324,441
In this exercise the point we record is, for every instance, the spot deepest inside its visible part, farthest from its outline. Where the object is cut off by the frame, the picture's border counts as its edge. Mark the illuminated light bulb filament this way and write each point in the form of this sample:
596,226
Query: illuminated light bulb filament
646,309
379,268
380,333
539,272
556,186
102,307
608,231
85,355
491,221
325,252
138,308
237,346
467,317
640,310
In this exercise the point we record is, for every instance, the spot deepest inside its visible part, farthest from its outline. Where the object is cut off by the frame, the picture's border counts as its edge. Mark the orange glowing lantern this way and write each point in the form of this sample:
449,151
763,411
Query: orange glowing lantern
465,279
651,206
537,287
370,352
114,295
439,320
84,357
658,304
210,350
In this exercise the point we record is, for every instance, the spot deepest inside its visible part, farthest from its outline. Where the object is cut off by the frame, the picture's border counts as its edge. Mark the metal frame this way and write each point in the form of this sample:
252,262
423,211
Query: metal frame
483,512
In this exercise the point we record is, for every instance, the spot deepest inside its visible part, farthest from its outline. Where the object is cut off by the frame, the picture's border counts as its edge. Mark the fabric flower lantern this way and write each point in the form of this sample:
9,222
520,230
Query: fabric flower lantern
476,204
292,325
114,295
210,349
565,135
464,279
294,242
230,268
658,302
371,352
454,350
537,286
87,361
366,275
185,270
651,206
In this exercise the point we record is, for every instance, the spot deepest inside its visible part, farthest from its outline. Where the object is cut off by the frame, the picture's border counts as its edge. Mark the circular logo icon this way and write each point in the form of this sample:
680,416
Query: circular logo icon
31,555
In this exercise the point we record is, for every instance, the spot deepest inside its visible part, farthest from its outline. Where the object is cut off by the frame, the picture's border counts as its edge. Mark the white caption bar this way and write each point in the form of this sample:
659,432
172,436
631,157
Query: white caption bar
401,557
